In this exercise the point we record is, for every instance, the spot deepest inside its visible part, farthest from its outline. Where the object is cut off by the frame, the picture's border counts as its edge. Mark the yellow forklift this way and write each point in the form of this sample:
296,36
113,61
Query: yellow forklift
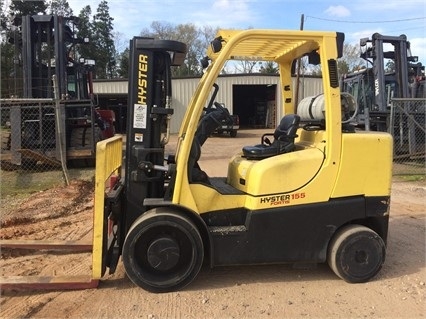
314,191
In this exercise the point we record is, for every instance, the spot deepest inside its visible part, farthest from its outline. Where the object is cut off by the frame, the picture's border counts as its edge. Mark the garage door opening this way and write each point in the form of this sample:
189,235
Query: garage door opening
255,105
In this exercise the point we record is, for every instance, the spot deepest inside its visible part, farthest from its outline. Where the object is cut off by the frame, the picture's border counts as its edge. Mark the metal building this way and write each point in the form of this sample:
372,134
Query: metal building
254,97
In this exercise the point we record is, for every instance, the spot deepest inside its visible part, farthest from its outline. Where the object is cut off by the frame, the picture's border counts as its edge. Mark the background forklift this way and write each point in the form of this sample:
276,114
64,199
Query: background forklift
299,196
57,109
375,87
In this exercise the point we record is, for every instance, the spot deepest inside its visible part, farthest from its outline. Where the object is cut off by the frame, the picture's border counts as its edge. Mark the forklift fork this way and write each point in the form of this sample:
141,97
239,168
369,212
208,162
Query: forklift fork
108,163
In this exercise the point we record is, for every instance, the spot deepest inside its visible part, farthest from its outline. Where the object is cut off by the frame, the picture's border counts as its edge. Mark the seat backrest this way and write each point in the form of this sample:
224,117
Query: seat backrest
283,140
287,129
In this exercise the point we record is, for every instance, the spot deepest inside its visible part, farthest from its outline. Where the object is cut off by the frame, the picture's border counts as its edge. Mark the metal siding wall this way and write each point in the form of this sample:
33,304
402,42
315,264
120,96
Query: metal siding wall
183,89
110,87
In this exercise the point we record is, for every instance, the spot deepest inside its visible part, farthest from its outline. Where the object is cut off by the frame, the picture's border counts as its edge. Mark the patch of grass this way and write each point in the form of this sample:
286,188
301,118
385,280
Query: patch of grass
411,178
24,182
28,182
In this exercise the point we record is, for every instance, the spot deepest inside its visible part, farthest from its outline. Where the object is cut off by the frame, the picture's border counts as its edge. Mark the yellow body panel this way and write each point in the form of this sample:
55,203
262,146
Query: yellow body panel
278,174
208,199
108,162
365,165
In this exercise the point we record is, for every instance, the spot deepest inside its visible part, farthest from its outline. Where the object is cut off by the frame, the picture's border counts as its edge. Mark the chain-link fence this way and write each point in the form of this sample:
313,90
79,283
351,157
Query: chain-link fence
35,144
33,157
29,160
28,134
407,117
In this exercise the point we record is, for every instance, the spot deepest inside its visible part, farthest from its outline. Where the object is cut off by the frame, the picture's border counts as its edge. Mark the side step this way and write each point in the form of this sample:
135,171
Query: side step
226,230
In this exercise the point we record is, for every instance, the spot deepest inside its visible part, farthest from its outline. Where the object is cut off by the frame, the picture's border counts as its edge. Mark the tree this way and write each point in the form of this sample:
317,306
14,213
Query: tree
196,39
7,56
86,50
123,64
247,66
269,67
22,8
122,55
104,42
60,8
351,60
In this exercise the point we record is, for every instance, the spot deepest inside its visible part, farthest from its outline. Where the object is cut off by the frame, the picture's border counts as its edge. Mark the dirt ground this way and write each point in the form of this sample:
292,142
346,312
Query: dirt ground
276,291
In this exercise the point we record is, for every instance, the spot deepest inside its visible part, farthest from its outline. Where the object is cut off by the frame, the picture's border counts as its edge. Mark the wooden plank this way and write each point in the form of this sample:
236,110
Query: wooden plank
6,156
79,153
47,282
39,157
47,244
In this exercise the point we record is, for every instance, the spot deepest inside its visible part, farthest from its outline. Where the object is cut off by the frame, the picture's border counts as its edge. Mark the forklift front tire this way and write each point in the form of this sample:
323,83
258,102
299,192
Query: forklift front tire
163,251
356,253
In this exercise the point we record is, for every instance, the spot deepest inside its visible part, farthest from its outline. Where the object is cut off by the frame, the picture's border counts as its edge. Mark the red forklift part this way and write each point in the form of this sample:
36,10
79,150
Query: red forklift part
108,117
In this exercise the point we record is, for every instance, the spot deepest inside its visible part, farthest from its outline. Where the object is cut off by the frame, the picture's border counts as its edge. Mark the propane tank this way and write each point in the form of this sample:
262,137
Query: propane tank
311,108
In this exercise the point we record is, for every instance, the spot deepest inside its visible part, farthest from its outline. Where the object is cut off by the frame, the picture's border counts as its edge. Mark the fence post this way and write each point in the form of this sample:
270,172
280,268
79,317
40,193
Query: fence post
15,133
412,147
60,137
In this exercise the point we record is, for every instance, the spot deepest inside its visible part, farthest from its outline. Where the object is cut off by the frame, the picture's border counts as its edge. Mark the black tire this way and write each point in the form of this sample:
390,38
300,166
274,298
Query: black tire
233,134
82,136
163,251
356,253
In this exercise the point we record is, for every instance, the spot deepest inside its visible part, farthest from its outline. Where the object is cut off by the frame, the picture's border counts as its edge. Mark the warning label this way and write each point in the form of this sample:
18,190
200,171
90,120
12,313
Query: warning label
139,116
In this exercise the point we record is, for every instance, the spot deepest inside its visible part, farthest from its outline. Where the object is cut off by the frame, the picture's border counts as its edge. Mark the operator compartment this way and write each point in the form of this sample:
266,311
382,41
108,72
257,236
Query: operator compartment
288,163
280,173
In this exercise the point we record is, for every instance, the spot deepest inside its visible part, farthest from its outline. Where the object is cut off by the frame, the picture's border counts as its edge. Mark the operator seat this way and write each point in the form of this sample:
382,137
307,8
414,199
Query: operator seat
283,140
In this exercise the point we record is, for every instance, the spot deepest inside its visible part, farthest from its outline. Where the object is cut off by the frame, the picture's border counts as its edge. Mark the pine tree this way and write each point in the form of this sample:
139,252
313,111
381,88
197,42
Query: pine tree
104,42
23,8
60,8
7,56
85,30
123,62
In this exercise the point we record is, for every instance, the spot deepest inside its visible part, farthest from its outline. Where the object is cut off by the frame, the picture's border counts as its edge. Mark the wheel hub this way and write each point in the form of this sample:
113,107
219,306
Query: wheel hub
361,257
163,253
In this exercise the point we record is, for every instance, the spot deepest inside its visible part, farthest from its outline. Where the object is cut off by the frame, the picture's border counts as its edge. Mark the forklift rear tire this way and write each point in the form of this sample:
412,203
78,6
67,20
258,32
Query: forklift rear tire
356,253
163,251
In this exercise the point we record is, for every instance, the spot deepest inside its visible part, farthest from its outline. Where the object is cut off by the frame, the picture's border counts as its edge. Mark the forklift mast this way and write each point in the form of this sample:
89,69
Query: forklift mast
402,58
47,43
149,111
374,87
52,71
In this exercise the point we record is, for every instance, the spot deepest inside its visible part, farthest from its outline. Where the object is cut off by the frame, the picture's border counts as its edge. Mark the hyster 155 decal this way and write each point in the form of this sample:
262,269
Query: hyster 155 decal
284,199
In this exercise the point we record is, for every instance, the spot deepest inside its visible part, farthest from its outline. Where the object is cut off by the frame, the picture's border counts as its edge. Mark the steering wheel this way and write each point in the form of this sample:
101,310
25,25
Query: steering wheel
219,107
224,111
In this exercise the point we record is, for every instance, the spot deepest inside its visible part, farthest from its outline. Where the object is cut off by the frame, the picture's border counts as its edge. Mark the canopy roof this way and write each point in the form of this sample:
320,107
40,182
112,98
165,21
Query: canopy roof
268,45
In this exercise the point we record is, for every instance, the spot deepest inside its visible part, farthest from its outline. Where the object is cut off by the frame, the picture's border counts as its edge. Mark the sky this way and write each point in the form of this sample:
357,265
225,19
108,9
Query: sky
357,19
